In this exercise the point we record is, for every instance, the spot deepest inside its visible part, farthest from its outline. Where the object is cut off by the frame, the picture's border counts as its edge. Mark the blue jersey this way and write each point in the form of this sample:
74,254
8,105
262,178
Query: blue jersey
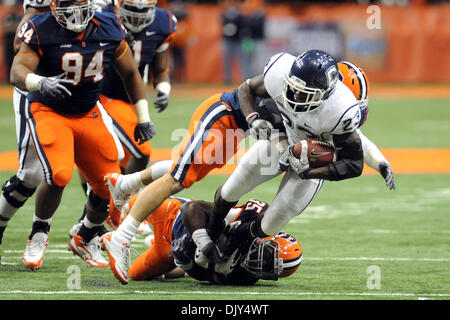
144,49
82,57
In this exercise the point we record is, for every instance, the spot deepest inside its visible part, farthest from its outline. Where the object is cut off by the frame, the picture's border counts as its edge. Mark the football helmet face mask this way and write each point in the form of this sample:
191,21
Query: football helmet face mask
136,14
273,257
356,80
73,15
312,78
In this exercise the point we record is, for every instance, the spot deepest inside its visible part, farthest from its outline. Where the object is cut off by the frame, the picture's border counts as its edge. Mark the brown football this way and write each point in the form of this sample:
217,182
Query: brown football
320,152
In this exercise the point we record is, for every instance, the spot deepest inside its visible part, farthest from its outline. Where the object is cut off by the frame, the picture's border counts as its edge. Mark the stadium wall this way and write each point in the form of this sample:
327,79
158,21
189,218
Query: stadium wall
392,43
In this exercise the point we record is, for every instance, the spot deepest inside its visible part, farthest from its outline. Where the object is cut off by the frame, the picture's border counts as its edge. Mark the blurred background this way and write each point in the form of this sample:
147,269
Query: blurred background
226,41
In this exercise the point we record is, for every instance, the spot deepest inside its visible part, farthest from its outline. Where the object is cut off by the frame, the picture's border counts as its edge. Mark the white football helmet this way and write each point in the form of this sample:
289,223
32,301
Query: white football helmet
136,14
73,15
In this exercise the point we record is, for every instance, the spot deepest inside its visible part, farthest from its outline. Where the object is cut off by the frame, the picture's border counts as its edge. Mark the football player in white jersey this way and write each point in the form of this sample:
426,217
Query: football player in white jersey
21,186
313,104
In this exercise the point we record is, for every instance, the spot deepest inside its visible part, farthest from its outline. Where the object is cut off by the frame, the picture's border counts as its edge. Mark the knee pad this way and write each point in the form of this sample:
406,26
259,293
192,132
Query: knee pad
97,203
15,185
62,177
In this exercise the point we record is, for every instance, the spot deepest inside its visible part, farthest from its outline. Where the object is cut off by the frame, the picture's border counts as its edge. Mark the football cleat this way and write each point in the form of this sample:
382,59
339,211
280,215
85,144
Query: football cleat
75,228
34,251
119,254
90,251
119,198
145,228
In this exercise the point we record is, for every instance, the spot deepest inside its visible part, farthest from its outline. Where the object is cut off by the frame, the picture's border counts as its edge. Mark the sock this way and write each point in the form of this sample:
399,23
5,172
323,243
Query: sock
7,211
89,230
160,168
127,230
131,182
40,225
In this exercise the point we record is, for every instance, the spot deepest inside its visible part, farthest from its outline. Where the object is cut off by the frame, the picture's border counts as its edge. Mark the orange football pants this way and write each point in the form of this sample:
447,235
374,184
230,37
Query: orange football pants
125,120
62,141
157,259
213,138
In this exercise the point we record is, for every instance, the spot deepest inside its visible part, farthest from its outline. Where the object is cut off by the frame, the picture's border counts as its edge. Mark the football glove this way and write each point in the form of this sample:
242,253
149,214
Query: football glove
260,128
99,5
55,86
144,132
386,172
287,159
161,101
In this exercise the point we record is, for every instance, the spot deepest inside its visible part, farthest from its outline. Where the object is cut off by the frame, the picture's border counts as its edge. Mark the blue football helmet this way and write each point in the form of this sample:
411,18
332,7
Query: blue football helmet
312,77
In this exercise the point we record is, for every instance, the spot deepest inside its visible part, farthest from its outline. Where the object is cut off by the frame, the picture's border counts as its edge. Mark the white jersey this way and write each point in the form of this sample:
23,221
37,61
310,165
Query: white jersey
338,114
35,4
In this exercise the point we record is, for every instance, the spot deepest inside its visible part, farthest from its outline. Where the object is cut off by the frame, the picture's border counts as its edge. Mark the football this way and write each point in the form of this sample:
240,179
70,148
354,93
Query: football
320,152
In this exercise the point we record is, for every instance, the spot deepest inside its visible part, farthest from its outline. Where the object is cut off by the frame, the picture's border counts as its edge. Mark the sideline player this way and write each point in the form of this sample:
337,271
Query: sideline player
181,240
71,47
314,104
215,131
149,30
356,80
21,186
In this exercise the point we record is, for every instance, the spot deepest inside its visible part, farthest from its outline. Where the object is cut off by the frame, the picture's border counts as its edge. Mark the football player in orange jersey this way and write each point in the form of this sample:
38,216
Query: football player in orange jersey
71,47
357,81
181,239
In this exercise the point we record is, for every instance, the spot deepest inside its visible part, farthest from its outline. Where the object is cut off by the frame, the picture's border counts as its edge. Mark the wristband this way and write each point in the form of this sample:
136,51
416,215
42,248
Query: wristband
32,82
141,107
163,87
252,116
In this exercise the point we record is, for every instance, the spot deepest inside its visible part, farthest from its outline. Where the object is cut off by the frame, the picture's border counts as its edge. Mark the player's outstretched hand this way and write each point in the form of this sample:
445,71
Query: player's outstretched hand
144,131
161,101
55,86
388,175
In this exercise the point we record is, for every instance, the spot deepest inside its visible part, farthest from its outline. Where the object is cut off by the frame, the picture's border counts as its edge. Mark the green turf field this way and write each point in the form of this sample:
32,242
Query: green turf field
360,240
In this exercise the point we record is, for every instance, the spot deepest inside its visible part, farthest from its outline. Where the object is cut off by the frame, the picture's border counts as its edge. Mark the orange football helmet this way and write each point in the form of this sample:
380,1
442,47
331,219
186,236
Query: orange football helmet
136,14
274,257
356,80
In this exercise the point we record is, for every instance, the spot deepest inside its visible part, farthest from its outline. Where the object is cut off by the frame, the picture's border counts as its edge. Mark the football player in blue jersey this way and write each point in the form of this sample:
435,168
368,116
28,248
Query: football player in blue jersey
149,31
69,49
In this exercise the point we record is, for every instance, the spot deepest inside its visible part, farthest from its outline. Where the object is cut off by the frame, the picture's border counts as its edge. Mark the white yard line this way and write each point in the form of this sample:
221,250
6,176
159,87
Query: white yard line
253,293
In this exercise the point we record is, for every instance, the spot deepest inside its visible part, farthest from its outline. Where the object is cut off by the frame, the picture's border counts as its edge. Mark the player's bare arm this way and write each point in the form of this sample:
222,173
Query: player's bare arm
24,63
350,160
248,92
126,67
134,85
195,215
161,79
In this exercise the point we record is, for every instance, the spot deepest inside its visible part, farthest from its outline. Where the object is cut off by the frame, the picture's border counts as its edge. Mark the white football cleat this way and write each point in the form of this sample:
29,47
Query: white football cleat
34,251
145,228
90,251
149,241
75,228
119,255
113,181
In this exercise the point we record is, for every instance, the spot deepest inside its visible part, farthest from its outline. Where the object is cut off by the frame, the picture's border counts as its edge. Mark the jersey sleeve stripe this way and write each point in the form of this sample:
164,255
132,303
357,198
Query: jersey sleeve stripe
268,68
339,121
37,38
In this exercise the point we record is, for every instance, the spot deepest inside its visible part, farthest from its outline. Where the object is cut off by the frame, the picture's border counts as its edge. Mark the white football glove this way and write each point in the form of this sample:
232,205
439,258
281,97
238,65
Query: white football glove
260,128
386,172
287,159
